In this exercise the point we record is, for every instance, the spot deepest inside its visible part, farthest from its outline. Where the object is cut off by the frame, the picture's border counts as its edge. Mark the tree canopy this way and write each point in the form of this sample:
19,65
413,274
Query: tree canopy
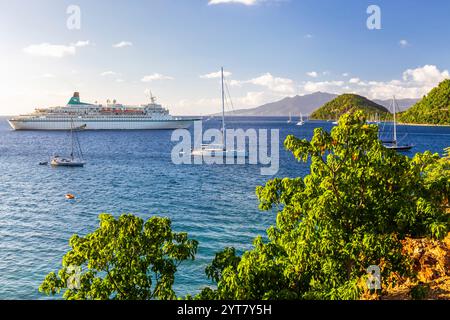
359,200
348,102
123,259
349,213
434,108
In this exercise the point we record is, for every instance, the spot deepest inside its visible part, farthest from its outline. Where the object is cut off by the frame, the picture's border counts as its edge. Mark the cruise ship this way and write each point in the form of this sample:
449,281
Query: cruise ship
111,116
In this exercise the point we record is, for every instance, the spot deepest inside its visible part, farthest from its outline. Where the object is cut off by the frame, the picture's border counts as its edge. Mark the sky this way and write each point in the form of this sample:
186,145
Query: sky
270,49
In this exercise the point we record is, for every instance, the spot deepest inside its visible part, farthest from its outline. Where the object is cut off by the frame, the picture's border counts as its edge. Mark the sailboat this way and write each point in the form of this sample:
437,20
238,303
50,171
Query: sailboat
393,144
220,150
290,118
72,160
301,122
337,118
375,119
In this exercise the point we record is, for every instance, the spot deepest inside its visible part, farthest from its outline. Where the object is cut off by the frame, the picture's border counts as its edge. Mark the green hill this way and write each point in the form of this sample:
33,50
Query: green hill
434,108
345,102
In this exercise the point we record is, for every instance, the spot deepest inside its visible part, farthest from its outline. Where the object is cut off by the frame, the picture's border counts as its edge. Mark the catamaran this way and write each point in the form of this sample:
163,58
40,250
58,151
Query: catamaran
76,155
393,144
220,150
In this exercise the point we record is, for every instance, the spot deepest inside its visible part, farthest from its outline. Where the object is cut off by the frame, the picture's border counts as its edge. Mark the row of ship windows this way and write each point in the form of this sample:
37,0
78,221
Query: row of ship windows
94,120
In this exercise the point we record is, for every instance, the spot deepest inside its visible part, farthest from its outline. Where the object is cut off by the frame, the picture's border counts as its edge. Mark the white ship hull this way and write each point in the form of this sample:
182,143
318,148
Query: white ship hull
92,124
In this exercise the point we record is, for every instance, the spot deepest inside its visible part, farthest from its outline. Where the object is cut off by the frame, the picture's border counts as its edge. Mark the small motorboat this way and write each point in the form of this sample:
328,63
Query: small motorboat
70,196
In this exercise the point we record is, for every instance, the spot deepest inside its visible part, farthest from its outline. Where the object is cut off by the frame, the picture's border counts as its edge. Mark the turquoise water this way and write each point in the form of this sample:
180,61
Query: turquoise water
132,172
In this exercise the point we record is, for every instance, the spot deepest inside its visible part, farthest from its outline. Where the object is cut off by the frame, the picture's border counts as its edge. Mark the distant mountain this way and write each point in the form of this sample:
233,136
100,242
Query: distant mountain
434,108
305,104
294,105
403,104
346,102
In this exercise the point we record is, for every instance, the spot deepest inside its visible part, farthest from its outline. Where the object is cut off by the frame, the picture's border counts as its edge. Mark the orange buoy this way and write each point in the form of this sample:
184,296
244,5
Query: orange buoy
70,196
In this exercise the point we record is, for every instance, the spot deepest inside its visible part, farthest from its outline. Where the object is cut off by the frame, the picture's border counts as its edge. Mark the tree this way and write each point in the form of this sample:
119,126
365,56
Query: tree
346,102
433,108
124,258
349,213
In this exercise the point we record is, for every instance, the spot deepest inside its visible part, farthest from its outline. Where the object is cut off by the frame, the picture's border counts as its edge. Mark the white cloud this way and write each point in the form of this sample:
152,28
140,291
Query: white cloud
309,36
214,75
403,43
326,86
55,50
50,50
214,105
428,74
43,76
244,2
252,99
108,73
81,43
235,83
155,76
123,44
413,84
48,75
120,80
275,84
312,74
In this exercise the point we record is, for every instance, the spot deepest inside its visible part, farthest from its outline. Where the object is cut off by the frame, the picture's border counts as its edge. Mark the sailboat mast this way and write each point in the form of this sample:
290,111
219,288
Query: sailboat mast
223,112
71,137
395,120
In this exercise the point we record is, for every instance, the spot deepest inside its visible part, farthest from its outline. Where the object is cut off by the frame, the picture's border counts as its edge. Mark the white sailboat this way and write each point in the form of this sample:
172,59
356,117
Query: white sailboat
393,144
337,118
290,118
220,150
375,119
301,122
73,160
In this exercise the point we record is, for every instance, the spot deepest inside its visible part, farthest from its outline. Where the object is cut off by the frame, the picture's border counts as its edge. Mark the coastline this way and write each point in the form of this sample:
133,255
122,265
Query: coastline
424,124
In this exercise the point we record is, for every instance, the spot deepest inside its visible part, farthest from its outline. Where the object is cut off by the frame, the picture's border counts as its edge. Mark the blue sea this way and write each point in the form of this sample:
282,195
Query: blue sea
132,172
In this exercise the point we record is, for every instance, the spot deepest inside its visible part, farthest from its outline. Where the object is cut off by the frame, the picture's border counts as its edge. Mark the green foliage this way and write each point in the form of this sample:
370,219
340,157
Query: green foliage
349,102
419,291
123,259
223,259
350,212
434,108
